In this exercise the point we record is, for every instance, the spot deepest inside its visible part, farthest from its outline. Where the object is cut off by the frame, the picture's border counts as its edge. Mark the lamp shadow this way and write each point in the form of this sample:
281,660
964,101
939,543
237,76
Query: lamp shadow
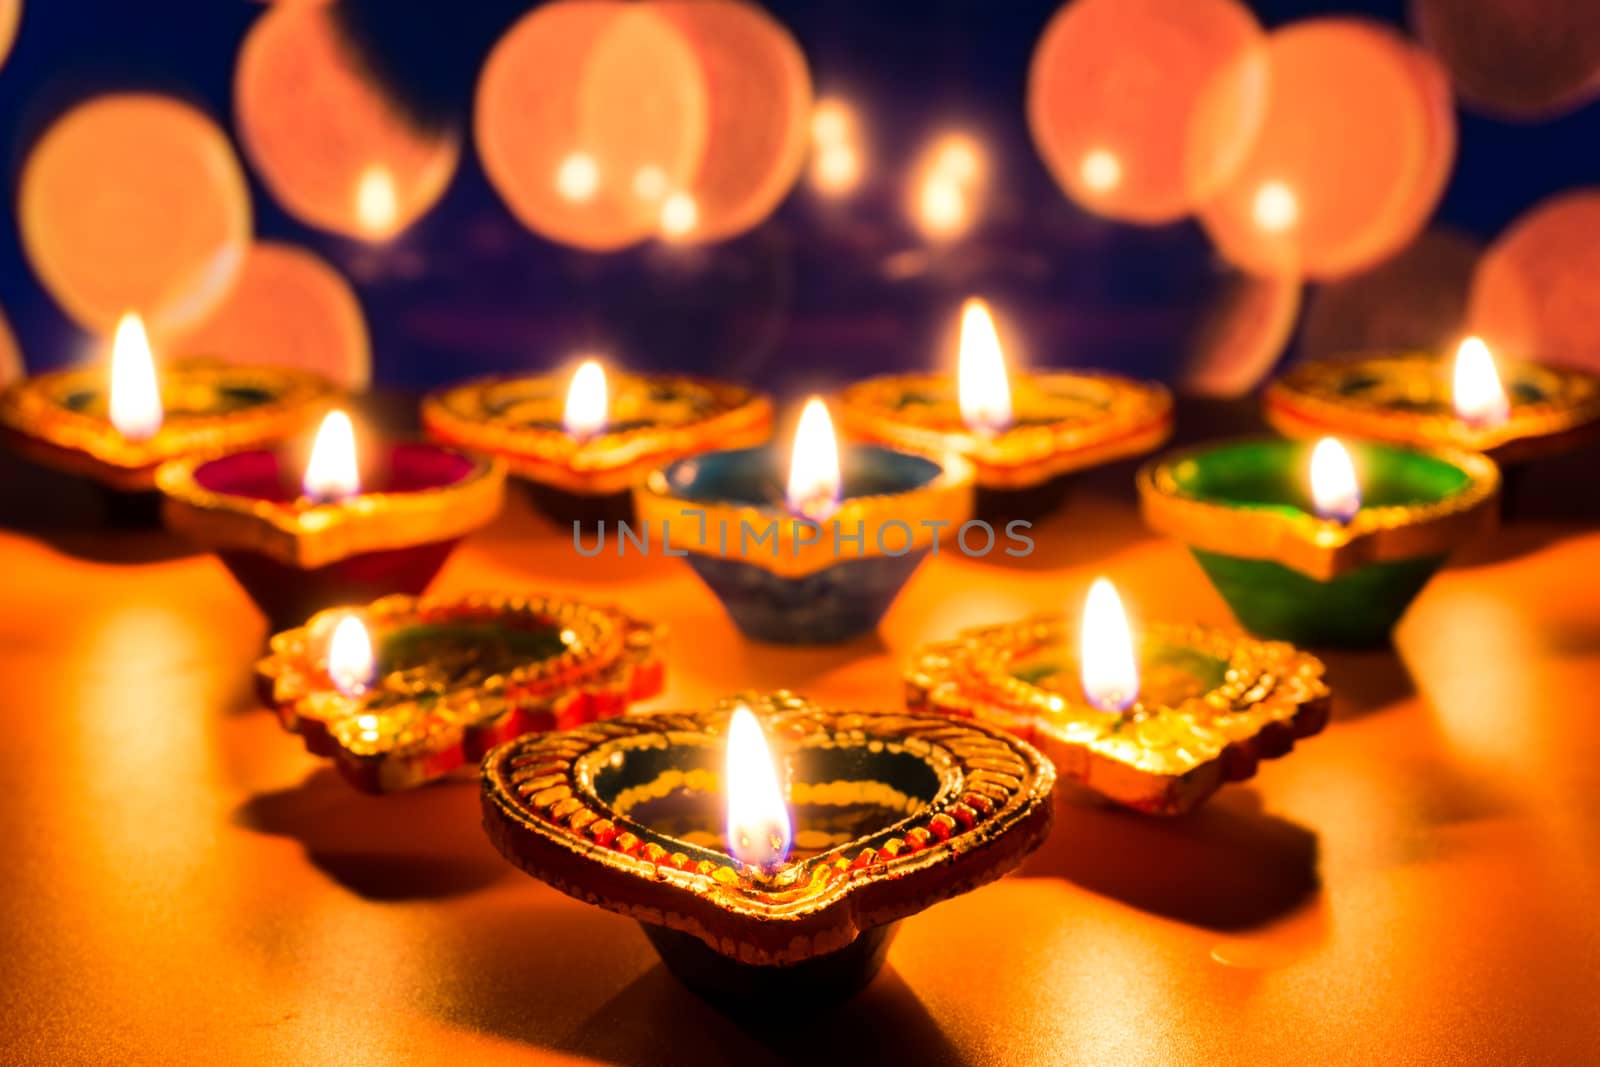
1228,866
1366,681
528,983
420,844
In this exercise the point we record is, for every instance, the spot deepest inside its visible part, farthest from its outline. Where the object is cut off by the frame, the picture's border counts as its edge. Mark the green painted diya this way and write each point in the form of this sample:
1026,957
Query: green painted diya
1244,509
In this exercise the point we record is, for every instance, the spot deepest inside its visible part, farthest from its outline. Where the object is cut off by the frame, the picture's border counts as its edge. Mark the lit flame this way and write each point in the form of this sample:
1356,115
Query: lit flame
578,178
758,818
1335,494
350,660
814,464
588,402
1101,171
1479,397
982,386
680,214
377,203
332,473
1106,664
135,397
1276,208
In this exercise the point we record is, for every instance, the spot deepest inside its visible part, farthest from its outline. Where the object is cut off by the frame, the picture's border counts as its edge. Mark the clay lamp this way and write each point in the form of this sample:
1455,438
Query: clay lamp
1324,545
1157,723
1512,411
1024,433
117,428
816,557
334,535
762,872
581,444
406,689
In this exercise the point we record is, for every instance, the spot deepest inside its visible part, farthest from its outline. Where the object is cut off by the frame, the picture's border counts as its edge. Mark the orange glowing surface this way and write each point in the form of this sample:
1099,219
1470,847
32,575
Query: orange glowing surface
1415,299
331,148
11,367
1514,58
1241,338
10,15
1351,134
289,308
758,92
1537,291
1143,108
134,201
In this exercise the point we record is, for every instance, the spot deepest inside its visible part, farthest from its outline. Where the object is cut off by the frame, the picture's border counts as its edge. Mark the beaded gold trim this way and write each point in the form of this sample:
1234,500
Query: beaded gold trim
309,535
1405,397
1065,421
1316,547
1162,759
992,807
659,418
56,418
401,732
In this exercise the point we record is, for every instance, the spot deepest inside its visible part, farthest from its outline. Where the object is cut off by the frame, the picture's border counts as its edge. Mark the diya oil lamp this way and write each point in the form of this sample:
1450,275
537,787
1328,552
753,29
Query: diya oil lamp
820,558
757,877
406,689
581,445
117,428
1023,433
1157,724
299,544
1305,548
1511,411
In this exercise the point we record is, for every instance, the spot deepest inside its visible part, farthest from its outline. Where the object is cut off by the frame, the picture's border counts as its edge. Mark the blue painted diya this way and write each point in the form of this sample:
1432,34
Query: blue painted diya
1244,509
789,579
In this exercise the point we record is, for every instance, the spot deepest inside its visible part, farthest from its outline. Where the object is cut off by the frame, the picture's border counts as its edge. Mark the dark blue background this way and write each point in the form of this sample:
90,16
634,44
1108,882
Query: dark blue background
819,294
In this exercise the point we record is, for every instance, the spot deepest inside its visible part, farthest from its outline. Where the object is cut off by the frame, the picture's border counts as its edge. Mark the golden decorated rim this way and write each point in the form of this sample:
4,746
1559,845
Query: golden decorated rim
1214,702
1066,421
930,511
656,419
1405,397
1320,548
408,727
985,804
309,535
59,418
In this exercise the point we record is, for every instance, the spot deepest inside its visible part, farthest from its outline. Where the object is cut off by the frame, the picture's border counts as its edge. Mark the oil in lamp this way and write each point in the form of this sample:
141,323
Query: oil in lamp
1023,432
406,689
820,560
117,424
581,443
1156,723
762,872
331,536
1512,411
1302,548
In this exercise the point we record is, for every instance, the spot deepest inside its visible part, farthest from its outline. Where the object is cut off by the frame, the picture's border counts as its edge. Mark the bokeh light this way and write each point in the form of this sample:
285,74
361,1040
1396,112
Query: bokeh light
11,366
947,185
1350,158
1415,299
1515,58
289,308
1536,294
1142,108
330,146
1247,328
134,202
10,16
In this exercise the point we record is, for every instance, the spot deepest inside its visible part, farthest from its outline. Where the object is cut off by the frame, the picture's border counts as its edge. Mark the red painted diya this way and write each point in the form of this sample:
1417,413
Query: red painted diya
62,419
408,689
582,444
890,813
297,550
1205,705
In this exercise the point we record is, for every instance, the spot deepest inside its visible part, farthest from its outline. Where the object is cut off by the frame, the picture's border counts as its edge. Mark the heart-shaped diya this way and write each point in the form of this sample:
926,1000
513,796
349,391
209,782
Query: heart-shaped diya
892,812
443,681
